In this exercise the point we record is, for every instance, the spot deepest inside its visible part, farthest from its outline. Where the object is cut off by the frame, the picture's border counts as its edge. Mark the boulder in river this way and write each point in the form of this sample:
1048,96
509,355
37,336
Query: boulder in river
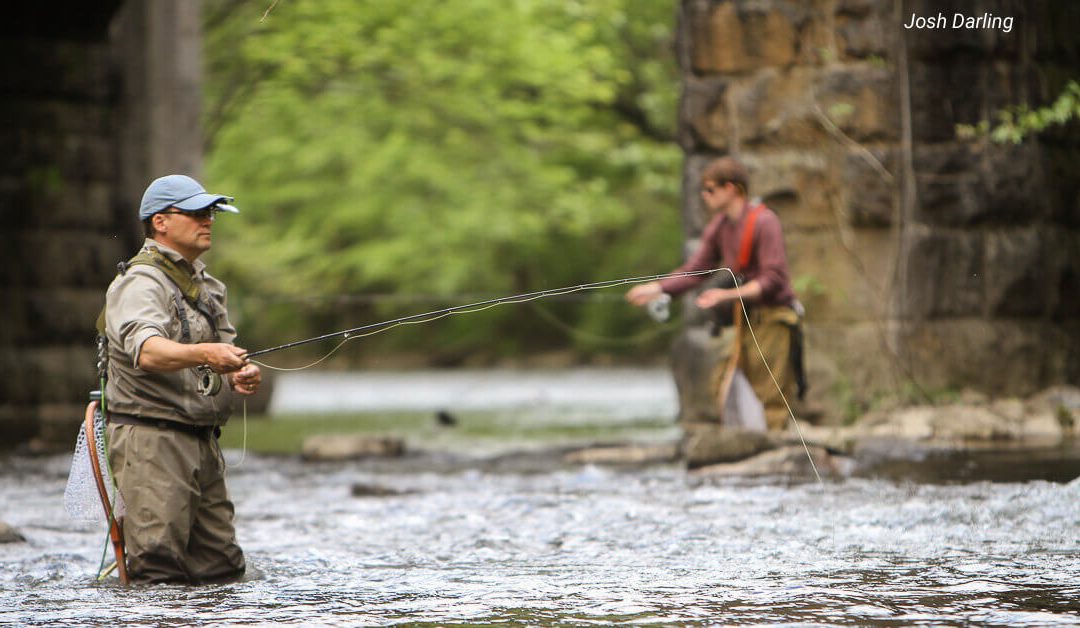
9,534
330,447
624,454
363,489
707,443
790,460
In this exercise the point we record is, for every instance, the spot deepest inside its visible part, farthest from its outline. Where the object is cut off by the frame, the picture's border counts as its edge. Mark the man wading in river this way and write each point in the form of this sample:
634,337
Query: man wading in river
746,237
169,343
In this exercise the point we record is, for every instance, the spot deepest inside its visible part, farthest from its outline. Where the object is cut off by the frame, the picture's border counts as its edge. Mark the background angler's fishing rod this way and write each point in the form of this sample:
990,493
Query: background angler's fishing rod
374,328
517,298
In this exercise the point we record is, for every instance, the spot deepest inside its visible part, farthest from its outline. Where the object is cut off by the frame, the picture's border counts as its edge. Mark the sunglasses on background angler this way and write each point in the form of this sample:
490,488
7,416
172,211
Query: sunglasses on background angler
709,188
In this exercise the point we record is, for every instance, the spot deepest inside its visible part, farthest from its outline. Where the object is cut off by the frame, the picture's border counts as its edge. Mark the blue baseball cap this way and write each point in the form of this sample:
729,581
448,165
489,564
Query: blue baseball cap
182,192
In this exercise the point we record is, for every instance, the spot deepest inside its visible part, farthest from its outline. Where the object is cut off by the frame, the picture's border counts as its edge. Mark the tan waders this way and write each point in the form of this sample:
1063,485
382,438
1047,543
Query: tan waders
179,519
772,328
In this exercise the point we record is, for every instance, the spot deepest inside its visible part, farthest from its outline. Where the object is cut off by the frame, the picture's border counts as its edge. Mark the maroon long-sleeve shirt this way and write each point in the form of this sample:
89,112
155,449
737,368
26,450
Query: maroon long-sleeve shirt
720,248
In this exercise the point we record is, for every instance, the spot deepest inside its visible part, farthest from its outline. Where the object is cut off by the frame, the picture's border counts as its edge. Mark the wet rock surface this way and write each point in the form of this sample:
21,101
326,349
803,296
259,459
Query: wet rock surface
971,438
377,490
329,447
787,460
709,443
625,454
9,534
973,421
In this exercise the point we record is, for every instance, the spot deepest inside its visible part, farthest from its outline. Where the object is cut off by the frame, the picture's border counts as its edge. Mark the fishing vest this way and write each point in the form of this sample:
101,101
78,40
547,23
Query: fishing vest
186,289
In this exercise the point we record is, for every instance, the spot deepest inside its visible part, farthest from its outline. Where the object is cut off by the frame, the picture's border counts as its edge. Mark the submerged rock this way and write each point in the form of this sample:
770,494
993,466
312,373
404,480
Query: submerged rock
330,447
9,534
361,489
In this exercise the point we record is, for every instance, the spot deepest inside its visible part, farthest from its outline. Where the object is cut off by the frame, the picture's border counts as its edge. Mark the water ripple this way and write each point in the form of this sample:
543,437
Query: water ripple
582,545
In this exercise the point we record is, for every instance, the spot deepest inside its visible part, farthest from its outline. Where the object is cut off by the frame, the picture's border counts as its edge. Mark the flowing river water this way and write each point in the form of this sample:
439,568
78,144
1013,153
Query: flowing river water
455,539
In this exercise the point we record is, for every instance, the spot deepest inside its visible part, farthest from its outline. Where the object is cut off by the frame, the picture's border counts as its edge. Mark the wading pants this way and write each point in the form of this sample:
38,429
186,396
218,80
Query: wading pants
772,326
178,522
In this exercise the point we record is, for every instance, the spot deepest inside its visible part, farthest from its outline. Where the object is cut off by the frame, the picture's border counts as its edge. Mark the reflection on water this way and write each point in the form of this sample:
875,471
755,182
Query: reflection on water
574,544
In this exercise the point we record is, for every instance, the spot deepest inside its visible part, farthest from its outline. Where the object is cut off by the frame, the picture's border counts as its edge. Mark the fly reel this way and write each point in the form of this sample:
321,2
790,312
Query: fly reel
209,383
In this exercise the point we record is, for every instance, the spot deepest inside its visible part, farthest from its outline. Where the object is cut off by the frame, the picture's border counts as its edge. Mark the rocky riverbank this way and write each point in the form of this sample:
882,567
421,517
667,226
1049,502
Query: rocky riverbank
973,437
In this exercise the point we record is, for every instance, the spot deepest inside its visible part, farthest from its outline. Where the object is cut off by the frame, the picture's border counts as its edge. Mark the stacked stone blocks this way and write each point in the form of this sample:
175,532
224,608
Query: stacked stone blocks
921,257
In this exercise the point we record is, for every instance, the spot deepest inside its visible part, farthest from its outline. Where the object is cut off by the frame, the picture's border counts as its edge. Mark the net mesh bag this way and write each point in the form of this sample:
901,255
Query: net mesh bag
81,499
742,408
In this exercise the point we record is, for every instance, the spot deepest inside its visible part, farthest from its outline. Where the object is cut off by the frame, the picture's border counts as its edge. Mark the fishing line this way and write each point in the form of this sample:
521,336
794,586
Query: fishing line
470,308
791,413
243,446
609,341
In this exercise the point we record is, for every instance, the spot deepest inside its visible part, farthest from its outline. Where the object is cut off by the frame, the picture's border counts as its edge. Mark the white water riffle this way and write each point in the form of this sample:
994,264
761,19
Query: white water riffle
573,545
619,393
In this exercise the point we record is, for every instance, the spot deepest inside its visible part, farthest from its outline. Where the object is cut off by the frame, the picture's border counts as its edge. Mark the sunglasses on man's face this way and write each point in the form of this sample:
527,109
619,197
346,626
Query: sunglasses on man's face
198,214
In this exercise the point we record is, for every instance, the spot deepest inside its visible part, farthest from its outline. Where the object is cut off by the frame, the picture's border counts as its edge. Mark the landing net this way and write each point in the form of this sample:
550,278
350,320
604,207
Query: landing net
81,499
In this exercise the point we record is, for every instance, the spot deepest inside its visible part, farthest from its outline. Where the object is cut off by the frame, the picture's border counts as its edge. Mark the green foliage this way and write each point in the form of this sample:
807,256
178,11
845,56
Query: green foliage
1018,122
841,110
479,147
809,285
842,390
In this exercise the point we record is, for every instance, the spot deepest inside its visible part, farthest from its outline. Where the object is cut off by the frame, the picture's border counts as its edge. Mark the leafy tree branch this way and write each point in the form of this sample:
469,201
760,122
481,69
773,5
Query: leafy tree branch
1018,122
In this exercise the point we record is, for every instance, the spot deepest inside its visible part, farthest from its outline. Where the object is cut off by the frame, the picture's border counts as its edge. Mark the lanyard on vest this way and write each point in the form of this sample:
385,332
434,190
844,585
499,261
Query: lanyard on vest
746,243
184,289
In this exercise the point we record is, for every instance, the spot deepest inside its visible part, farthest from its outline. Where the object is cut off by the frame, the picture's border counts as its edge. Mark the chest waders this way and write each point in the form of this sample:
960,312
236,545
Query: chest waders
185,289
732,314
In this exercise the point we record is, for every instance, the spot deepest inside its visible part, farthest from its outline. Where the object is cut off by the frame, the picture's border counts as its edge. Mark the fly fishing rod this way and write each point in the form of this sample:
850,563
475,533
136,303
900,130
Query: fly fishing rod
415,319
374,328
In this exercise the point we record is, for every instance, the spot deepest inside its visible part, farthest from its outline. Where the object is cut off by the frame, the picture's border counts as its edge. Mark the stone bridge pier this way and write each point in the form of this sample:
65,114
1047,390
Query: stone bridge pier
98,99
927,263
